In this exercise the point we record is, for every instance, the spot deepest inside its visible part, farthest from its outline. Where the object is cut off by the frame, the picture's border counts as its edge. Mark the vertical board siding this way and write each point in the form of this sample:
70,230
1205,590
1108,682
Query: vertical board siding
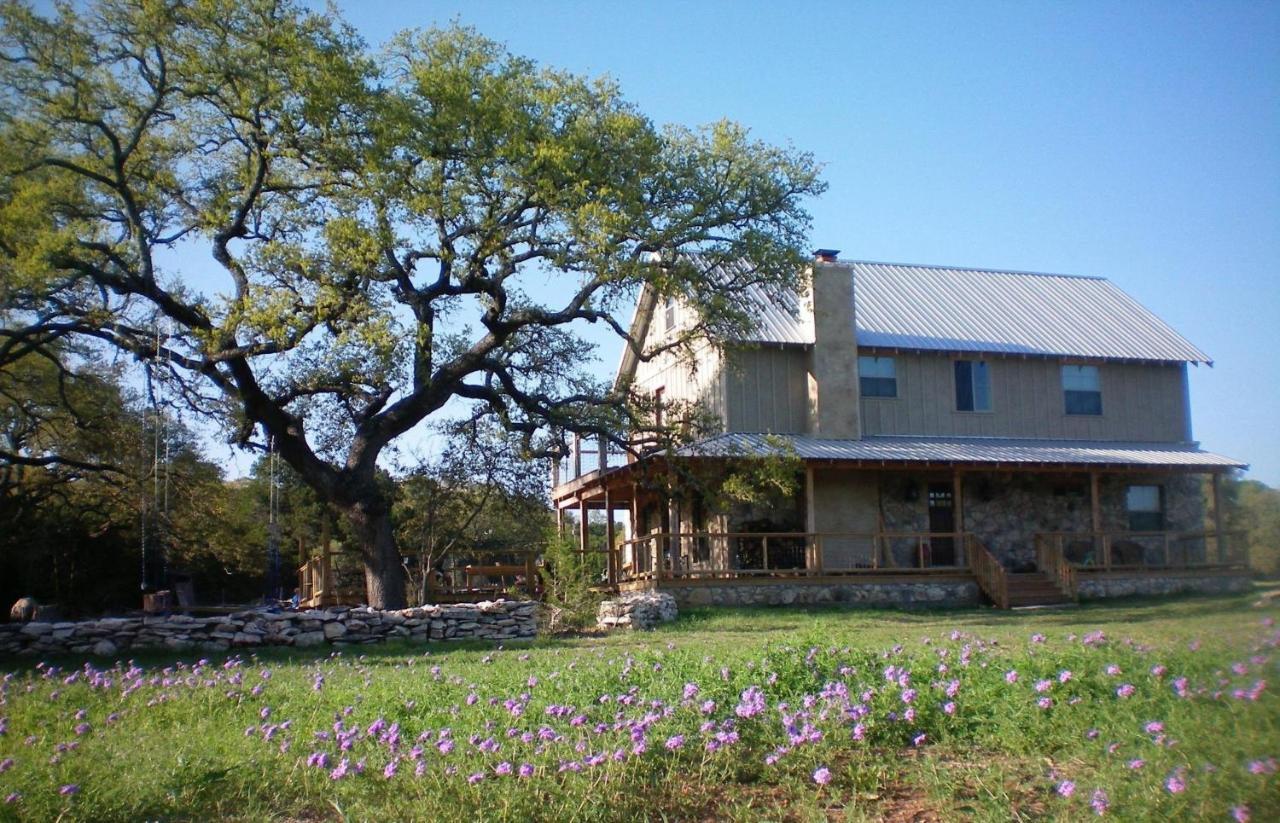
766,390
1140,402
683,382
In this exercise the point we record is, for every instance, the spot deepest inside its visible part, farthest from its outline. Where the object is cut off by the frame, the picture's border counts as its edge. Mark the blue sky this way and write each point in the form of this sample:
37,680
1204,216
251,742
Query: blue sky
1136,141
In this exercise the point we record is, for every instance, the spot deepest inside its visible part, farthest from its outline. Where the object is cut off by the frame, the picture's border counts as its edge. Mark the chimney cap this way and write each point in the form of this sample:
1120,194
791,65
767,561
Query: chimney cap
826,255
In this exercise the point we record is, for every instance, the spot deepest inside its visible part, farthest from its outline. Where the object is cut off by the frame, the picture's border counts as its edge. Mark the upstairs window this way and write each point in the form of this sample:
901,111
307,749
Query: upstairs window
877,377
669,315
1145,507
1082,389
973,386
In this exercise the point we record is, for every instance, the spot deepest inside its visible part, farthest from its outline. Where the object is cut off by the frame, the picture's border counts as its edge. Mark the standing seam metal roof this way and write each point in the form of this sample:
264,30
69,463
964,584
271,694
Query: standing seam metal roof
994,450
983,310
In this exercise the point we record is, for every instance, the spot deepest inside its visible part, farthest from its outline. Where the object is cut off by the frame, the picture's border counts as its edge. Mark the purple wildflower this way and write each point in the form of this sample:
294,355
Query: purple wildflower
1066,788
822,776
1100,802
69,789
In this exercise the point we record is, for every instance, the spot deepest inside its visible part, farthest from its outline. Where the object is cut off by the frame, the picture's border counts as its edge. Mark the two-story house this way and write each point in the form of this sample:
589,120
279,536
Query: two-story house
957,430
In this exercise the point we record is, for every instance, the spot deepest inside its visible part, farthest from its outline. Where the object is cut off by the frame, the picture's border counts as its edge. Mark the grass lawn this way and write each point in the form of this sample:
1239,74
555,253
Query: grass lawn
1149,711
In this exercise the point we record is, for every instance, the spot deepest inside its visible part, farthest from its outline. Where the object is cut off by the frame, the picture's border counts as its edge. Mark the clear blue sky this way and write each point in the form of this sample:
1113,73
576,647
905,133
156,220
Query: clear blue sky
1136,141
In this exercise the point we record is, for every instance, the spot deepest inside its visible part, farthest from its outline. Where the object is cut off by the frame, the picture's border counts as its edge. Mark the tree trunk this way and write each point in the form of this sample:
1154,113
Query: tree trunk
383,574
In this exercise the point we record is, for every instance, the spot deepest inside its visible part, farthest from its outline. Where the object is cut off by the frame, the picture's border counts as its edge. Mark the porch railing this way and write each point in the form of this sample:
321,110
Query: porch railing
993,579
726,555
1050,560
1128,550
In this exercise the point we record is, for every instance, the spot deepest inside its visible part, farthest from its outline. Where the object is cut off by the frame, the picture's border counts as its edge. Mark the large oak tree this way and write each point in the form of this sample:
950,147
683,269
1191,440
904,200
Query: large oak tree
332,245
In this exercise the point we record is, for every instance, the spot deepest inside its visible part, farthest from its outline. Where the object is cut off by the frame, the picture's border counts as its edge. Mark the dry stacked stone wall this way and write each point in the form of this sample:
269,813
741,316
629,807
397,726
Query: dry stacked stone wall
338,626
637,610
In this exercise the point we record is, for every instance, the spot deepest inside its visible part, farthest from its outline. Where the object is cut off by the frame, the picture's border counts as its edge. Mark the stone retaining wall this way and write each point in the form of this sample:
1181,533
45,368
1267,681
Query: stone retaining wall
1095,587
338,626
637,610
932,593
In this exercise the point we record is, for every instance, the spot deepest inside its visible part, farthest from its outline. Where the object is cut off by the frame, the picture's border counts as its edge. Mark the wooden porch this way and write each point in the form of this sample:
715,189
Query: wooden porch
669,560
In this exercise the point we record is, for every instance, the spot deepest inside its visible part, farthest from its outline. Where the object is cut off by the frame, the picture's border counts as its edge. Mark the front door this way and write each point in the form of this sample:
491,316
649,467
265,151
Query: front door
942,519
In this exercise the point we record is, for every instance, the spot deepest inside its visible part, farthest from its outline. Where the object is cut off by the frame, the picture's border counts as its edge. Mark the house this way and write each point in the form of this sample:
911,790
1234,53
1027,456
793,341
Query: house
959,434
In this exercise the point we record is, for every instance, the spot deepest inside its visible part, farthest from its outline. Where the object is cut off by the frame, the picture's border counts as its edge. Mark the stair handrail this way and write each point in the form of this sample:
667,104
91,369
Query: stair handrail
1051,560
992,577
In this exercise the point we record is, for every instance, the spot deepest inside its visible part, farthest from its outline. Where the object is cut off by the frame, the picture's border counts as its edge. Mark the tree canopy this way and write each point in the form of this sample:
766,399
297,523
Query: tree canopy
331,245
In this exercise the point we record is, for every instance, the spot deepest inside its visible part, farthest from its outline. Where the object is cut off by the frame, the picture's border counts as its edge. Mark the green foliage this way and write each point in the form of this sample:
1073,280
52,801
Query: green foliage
763,479
394,231
570,599
1253,507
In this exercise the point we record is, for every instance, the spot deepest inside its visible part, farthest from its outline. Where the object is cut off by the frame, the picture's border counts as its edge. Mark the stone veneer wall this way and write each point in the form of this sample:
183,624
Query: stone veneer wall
338,626
932,593
1096,587
637,610
1007,509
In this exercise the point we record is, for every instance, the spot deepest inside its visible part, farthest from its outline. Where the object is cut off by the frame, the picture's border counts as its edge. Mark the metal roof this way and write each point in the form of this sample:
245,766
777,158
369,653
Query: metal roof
993,450
984,310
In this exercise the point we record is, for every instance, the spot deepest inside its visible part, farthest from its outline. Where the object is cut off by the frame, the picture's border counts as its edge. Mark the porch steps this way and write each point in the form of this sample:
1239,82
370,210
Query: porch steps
1034,589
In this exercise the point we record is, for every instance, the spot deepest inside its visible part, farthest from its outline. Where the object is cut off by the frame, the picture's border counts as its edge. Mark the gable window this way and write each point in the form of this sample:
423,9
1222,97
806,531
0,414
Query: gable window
1145,507
973,386
877,377
1082,389
669,315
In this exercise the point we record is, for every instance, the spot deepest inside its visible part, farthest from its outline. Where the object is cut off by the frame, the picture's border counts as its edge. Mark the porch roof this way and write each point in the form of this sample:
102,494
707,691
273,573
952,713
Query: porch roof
968,450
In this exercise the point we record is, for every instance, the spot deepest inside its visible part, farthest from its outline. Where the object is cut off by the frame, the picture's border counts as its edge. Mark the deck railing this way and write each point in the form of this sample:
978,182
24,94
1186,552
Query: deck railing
993,579
1050,560
726,555
1129,550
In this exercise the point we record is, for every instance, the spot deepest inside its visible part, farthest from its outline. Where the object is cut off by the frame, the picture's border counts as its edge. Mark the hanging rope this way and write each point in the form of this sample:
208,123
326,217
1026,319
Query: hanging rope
154,512
273,522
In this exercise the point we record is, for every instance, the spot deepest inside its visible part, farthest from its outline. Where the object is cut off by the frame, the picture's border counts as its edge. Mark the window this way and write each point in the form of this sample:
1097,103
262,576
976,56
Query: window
669,315
877,377
1082,389
1145,506
973,386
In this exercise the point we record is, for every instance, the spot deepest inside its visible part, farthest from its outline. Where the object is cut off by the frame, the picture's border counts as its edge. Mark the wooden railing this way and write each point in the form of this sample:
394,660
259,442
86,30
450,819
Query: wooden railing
694,555
992,577
1049,559
1128,550
318,585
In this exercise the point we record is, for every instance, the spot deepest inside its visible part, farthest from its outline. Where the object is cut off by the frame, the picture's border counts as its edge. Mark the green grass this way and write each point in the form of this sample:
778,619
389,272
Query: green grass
170,738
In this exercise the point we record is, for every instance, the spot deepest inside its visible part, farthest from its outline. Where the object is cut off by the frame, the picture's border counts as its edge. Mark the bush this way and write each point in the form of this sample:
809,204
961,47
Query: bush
570,599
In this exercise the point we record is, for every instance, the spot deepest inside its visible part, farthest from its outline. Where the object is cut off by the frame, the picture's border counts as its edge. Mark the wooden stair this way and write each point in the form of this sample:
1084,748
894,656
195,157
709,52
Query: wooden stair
1029,589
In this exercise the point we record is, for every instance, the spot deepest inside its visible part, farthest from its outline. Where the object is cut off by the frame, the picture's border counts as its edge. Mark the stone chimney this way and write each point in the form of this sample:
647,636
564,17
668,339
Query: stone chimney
833,363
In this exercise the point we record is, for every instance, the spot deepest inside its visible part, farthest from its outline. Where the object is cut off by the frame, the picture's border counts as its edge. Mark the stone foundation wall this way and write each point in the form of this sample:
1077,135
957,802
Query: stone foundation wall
339,626
930,594
1092,587
637,610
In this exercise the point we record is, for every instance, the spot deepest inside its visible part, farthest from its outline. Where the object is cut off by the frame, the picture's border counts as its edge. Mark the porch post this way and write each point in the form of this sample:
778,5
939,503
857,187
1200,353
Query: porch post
559,521
1217,518
673,530
577,455
1095,518
814,548
957,487
611,556
584,528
